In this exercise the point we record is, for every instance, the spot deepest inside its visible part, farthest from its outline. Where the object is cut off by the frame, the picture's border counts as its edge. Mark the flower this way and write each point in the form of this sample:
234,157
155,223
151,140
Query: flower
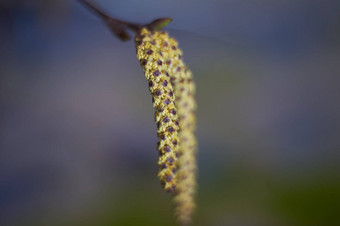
170,80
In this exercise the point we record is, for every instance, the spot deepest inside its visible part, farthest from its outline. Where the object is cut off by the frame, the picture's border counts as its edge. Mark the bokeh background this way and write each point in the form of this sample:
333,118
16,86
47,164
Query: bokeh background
77,136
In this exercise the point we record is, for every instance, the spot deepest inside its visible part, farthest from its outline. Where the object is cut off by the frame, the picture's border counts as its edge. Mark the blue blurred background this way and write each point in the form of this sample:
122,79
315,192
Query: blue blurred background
77,136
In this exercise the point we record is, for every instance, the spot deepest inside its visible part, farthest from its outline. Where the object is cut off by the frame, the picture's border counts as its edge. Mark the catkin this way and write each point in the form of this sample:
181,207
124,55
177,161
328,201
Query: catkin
159,52
149,53
172,89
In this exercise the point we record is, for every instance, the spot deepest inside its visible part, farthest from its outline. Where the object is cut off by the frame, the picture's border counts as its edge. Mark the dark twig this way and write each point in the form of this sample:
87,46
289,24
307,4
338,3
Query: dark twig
118,27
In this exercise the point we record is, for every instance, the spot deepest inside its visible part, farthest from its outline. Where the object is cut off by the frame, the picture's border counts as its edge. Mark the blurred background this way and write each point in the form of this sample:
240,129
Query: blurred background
77,136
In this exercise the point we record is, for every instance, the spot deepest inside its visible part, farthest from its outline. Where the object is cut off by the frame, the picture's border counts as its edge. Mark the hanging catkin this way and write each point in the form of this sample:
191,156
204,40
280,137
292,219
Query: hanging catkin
158,52
172,88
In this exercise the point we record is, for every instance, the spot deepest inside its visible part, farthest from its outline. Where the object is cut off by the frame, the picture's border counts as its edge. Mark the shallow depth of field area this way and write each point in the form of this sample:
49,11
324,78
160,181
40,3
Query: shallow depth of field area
77,132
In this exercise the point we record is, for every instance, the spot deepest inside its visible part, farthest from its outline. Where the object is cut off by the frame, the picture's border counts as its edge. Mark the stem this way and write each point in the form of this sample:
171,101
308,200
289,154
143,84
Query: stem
118,27
95,9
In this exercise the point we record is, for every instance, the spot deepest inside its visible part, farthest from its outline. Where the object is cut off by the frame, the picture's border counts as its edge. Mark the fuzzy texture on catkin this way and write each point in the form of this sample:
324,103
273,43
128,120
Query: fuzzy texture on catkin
166,57
149,53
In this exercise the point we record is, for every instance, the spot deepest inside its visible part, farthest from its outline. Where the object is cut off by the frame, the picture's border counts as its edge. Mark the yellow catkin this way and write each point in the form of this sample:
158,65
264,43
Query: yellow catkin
165,49
149,53
172,88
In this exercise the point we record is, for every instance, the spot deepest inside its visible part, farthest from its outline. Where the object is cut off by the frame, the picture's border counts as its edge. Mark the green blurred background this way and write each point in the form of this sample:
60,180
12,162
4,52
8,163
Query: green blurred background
77,136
